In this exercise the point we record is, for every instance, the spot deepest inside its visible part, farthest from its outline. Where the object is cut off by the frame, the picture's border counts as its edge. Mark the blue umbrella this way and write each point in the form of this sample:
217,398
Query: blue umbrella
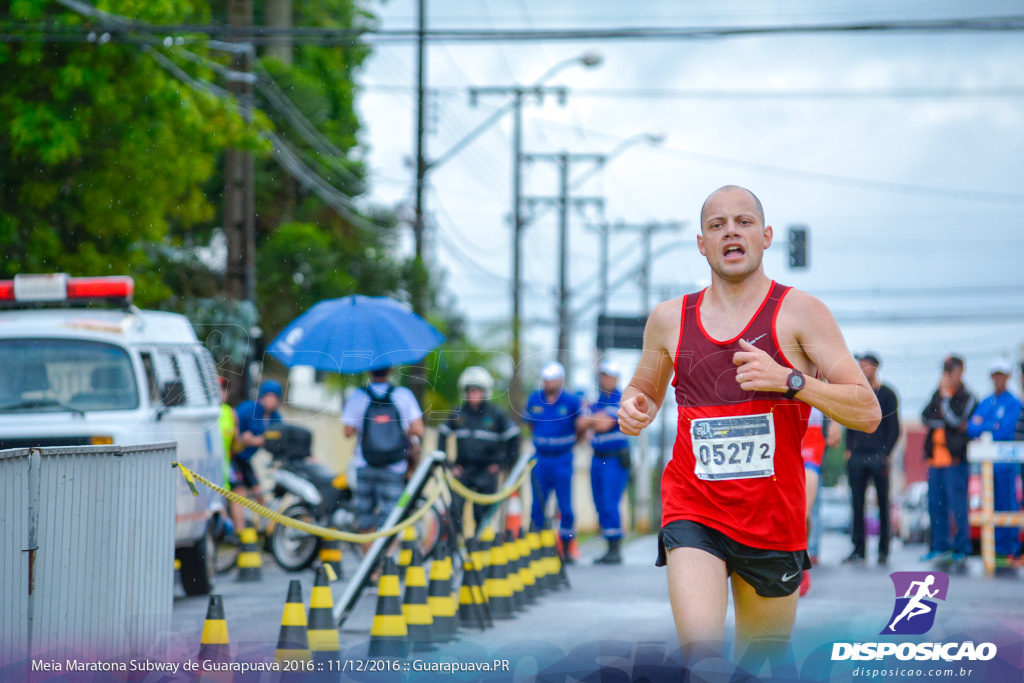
355,334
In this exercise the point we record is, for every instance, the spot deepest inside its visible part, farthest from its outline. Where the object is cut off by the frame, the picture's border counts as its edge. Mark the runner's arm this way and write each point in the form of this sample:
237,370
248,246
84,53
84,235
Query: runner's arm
843,394
653,373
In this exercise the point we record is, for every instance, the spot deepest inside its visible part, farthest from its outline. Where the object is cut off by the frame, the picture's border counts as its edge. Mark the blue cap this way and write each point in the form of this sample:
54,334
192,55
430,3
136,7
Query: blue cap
271,386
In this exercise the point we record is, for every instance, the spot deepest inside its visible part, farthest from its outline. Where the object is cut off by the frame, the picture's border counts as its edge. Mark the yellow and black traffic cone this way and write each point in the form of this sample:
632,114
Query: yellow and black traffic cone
467,609
538,565
552,562
249,562
515,578
213,645
481,555
472,609
497,586
478,579
389,635
330,554
526,569
324,641
405,554
293,642
443,605
487,544
416,607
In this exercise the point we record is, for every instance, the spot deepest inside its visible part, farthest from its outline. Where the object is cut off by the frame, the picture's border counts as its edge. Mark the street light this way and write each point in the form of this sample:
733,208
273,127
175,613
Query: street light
652,139
587,59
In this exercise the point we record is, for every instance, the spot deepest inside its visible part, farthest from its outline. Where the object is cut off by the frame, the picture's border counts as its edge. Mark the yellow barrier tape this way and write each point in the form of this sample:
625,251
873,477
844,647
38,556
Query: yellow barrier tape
489,498
312,529
189,478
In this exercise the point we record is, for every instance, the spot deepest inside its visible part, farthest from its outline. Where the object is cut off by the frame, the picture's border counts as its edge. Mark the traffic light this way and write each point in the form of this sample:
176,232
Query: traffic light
798,246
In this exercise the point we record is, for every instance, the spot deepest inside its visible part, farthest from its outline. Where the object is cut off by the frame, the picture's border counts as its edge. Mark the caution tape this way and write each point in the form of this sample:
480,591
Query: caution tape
312,529
489,498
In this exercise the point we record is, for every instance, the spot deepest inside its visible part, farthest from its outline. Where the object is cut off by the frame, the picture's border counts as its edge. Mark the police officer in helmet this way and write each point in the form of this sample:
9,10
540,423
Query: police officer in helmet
486,440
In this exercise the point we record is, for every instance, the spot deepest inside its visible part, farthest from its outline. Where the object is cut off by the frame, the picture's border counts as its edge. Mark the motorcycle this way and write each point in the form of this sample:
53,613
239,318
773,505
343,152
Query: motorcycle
308,492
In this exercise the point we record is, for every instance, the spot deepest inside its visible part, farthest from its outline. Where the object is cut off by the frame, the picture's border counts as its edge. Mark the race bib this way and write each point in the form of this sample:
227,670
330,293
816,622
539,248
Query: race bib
733,447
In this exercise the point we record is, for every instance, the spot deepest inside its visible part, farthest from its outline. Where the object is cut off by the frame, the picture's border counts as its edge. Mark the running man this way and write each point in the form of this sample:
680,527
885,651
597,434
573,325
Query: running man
915,606
750,358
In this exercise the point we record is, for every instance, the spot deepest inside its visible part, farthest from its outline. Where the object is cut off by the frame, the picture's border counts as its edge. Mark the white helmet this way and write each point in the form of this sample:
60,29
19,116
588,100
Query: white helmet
476,376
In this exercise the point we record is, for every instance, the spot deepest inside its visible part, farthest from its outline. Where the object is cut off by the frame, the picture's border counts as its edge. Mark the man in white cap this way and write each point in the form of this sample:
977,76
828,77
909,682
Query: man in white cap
997,414
553,413
609,470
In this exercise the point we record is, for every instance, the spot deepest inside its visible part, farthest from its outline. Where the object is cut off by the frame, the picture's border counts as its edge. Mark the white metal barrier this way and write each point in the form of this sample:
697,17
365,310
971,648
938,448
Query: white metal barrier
86,549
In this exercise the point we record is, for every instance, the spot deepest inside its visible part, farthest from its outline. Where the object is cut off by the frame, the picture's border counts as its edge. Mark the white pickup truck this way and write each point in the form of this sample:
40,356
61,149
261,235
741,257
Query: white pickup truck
75,376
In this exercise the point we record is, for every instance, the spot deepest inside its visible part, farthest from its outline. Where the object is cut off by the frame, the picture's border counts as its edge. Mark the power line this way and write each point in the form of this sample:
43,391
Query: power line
826,178
1011,91
261,35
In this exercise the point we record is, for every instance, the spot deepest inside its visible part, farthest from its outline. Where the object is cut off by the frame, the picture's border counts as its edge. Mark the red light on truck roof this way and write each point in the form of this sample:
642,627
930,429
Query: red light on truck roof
117,287
58,288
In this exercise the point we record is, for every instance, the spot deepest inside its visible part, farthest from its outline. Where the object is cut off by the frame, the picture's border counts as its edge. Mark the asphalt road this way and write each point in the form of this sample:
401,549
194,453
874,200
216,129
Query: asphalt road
629,602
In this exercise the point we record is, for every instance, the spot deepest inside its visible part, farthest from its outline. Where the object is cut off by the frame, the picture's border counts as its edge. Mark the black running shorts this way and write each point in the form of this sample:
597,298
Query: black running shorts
772,573
244,474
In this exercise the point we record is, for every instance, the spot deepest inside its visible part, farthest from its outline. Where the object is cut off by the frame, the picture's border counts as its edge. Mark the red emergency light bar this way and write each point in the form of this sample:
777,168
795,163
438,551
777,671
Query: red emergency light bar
59,288
118,287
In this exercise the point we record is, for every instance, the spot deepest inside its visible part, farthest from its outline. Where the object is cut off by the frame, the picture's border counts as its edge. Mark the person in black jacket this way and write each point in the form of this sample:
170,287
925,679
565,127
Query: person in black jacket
486,441
868,459
945,451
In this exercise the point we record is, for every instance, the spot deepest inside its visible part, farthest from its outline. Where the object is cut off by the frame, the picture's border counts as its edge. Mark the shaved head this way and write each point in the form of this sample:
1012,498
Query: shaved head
730,188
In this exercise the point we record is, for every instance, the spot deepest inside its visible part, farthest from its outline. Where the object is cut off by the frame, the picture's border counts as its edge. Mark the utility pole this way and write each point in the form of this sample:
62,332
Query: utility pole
647,231
564,161
518,94
239,203
419,303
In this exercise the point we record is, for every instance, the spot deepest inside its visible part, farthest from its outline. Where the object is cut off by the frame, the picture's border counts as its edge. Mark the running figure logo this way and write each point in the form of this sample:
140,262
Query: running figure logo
914,613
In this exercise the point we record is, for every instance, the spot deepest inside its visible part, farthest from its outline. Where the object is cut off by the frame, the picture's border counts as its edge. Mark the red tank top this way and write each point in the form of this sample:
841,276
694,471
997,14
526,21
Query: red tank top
735,490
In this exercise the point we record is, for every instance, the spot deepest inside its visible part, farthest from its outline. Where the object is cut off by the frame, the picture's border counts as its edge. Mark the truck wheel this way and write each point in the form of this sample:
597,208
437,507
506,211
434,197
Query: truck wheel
197,565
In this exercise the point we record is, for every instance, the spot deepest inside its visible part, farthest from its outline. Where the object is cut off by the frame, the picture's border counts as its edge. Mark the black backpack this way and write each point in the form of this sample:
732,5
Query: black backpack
383,440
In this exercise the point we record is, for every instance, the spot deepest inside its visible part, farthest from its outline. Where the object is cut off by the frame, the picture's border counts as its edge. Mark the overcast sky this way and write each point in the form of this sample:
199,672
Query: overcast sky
901,191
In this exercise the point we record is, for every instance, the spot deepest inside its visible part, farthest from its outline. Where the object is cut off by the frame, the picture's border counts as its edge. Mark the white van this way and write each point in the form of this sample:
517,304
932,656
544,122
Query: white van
75,376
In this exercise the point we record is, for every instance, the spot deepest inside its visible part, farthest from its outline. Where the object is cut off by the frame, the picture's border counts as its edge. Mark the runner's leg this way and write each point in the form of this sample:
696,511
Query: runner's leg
698,591
760,618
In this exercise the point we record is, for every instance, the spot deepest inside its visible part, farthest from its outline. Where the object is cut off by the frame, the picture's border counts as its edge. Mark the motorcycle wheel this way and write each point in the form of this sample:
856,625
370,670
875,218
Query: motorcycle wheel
292,549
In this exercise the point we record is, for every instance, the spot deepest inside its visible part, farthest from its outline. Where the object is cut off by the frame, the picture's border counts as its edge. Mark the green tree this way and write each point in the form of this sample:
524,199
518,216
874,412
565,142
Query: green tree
103,152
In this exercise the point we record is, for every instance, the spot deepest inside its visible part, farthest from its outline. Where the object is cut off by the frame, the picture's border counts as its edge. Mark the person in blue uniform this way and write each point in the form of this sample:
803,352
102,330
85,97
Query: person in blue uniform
997,414
552,414
609,470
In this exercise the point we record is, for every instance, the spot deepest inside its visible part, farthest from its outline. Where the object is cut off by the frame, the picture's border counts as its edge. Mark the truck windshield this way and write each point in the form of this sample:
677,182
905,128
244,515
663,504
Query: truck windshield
65,375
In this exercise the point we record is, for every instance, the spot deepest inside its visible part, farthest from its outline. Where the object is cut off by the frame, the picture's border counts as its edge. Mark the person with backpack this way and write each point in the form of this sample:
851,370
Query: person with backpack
385,419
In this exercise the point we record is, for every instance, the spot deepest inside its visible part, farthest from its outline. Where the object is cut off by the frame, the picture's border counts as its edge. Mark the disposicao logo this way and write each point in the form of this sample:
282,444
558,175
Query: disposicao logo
916,592
913,615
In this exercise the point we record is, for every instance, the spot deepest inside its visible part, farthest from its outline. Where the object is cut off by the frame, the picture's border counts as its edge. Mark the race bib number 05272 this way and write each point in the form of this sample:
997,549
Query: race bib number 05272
739,447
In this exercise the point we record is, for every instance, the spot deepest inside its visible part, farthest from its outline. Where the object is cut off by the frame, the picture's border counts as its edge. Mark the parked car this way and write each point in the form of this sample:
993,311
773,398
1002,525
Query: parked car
911,521
76,376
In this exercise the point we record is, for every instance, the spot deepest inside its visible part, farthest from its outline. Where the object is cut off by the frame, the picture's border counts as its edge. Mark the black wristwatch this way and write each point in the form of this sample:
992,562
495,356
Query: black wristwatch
795,382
